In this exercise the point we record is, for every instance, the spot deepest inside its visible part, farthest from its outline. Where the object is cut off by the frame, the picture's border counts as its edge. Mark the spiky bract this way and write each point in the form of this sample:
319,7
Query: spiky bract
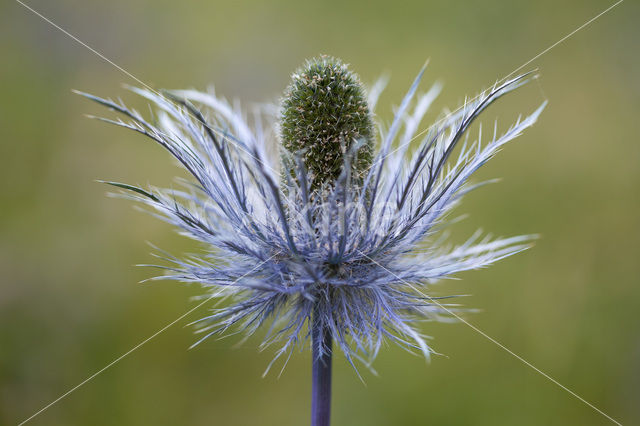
362,260
324,113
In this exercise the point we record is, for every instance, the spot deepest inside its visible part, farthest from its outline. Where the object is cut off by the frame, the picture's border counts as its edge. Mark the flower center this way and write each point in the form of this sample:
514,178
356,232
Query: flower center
324,112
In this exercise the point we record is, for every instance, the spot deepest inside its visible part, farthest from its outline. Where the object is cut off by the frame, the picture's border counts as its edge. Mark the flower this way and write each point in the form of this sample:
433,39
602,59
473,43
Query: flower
332,236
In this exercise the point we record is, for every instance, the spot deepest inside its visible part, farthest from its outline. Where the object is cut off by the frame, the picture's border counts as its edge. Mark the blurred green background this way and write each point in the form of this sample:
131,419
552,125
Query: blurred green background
69,298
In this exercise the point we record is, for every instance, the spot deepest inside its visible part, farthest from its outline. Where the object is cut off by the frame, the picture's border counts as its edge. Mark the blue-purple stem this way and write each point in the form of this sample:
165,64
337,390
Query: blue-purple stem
321,374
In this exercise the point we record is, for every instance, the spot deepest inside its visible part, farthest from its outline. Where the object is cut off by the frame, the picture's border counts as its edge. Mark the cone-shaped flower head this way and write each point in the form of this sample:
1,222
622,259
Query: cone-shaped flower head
324,113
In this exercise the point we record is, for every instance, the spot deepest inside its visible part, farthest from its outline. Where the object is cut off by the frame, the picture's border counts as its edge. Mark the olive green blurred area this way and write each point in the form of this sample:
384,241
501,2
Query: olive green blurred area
70,297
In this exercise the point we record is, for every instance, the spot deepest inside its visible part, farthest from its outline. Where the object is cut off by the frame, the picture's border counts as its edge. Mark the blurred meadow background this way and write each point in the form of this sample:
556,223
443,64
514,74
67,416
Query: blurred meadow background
70,301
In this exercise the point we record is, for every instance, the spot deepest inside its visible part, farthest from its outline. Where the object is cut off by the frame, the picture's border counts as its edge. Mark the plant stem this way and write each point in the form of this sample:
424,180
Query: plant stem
320,374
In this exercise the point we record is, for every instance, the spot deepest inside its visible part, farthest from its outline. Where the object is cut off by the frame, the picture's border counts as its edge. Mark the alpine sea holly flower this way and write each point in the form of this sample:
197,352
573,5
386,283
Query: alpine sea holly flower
331,241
